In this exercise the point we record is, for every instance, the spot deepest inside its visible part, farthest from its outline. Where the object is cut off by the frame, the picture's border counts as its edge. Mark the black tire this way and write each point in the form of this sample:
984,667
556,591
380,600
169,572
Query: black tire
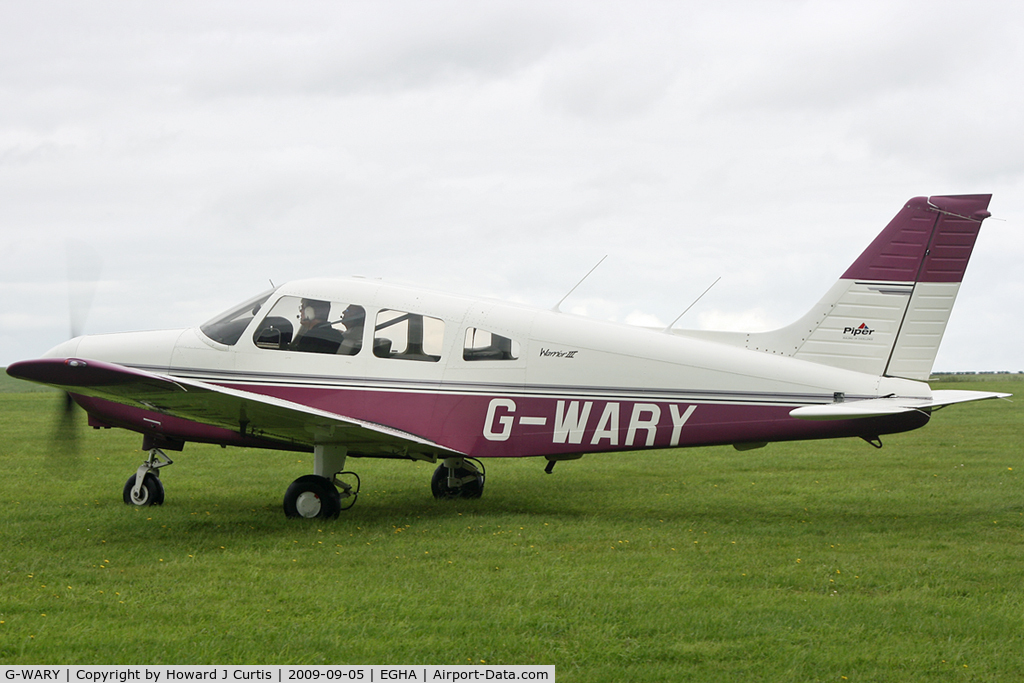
152,492
439,483
312,497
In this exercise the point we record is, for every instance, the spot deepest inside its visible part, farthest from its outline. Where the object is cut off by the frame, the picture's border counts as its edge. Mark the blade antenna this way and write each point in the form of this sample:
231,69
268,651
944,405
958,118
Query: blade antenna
672,324
555,307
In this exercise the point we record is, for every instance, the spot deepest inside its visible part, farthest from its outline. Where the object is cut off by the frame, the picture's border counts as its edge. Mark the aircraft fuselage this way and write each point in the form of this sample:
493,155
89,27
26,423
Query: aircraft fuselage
564,384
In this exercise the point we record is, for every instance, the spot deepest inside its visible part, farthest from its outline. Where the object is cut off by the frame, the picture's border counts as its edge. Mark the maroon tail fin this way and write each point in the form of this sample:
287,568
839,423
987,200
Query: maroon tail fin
930,240
886,315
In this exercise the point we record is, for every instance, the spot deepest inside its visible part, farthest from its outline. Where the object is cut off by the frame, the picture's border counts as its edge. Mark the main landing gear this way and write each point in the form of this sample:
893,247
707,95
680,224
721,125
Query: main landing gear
312,496
322,495
458,478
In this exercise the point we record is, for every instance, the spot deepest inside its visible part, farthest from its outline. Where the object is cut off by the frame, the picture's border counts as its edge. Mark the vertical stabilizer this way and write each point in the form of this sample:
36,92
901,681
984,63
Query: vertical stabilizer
886,315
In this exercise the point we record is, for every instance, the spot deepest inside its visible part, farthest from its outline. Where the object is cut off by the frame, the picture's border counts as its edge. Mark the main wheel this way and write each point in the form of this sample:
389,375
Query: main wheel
312,496
151,493
470,489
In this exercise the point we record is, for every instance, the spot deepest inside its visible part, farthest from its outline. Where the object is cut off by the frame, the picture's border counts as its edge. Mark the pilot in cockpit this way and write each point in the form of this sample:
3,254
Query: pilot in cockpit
353,318
315,333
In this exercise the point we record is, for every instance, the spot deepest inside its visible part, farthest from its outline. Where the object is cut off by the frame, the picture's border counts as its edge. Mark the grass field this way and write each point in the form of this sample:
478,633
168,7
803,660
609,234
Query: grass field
818,561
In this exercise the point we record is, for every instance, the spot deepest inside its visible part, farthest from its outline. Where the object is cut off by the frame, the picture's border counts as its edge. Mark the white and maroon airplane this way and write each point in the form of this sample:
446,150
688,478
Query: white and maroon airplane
362,368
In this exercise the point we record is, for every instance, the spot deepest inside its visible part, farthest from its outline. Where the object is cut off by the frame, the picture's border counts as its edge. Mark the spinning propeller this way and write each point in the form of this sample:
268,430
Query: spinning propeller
83,273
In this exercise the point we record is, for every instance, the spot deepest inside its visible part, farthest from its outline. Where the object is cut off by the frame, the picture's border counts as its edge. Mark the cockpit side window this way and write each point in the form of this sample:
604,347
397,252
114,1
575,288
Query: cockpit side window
484,345
408,336
312,326
227,328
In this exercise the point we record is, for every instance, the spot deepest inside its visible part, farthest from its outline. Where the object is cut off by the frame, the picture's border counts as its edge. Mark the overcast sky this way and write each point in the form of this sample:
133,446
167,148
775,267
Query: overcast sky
187,153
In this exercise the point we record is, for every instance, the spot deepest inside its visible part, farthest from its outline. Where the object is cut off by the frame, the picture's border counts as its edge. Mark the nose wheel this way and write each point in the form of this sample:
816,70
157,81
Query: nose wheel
150,493
144,488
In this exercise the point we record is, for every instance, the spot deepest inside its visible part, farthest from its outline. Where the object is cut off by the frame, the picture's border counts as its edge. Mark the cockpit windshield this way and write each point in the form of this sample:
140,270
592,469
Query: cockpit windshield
227,327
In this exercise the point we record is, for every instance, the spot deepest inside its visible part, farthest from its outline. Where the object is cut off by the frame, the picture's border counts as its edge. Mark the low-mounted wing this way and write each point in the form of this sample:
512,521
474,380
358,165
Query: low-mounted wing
243,412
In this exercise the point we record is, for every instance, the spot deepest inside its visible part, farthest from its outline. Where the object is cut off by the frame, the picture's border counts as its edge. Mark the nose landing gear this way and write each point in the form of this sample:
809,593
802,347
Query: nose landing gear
144,488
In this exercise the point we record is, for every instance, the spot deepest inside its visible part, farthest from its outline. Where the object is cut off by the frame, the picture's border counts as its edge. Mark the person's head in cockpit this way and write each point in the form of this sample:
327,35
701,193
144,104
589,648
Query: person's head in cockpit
313,312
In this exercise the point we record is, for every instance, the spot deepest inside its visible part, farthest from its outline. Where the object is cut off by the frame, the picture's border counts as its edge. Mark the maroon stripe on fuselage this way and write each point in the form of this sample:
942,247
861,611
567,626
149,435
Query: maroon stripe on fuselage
523,425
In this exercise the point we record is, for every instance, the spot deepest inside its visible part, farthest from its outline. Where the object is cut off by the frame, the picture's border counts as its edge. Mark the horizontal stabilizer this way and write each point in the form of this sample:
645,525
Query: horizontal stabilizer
880,407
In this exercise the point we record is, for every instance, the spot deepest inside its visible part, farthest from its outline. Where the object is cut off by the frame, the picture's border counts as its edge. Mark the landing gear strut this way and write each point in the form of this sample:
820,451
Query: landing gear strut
458,478
144,488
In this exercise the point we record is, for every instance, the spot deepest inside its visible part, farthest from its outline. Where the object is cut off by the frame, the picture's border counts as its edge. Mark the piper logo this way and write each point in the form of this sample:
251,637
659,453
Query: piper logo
863,330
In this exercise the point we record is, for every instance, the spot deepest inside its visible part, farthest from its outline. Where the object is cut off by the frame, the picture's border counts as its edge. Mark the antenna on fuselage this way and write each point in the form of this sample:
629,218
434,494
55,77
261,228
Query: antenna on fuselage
672,324
555,307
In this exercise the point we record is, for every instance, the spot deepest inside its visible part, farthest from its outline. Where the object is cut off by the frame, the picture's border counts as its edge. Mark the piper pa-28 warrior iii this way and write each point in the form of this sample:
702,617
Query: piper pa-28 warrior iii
360,368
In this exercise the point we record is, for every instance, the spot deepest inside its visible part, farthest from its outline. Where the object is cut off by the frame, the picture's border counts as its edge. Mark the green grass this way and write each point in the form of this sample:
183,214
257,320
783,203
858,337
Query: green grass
9,385
797,562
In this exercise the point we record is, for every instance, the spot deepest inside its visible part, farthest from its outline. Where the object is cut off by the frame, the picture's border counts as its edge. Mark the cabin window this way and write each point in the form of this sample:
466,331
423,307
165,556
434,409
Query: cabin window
312,326
227,328
484,345
408,336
